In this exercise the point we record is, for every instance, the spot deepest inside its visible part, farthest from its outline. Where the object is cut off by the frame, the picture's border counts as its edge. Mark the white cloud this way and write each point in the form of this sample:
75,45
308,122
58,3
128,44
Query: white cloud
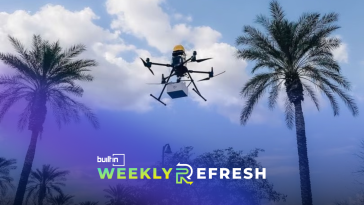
180,17
120,84
341,53
153,24
146,20
117,83
56,23
221,92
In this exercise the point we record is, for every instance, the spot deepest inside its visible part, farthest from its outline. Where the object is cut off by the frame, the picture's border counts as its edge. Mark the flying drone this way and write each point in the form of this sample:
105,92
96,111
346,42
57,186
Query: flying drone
179,69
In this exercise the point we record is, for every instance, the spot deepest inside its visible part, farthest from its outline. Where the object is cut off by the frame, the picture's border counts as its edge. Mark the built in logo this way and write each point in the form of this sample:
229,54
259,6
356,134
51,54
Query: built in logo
117,160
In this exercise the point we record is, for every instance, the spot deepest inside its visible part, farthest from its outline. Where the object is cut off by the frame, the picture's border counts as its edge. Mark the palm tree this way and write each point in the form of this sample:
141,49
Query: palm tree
60,199
119,194
7,200
45,77
297,55
43,182
5,180
88,203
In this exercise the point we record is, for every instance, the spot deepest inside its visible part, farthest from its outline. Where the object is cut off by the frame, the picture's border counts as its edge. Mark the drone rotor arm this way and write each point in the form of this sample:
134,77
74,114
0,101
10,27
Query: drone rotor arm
161,64
208,78
187,60
203,72
149,64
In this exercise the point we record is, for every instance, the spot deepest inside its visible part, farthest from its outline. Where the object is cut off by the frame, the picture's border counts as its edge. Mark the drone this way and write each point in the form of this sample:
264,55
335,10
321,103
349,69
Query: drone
179,69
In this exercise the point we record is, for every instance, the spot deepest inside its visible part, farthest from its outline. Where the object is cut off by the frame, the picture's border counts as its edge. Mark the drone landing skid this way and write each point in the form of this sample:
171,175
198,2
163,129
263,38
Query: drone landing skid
198,93
158,100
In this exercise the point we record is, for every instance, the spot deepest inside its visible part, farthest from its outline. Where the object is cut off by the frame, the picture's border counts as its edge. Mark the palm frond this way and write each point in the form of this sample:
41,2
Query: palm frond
48,176
252,98
311,93
257,81
298,53
276,11
40,71
273,94
66,108
6,165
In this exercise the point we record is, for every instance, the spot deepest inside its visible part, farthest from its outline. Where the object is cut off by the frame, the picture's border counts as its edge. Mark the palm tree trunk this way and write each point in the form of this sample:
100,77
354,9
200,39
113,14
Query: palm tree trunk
306,193
41,194
20,192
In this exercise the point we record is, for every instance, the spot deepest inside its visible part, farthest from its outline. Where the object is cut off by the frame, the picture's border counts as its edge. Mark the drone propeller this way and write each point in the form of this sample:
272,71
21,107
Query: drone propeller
200,60
163,82
208,78
147,64
193,58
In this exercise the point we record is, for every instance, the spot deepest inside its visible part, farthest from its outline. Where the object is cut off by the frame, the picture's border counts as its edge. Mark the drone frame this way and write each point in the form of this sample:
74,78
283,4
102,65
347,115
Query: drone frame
165,81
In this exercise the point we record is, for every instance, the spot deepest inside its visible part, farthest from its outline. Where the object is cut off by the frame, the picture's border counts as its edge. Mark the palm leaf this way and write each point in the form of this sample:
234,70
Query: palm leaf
298,53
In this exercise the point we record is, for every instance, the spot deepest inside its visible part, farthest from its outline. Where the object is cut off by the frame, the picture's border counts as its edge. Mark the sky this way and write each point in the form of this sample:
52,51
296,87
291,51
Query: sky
117,33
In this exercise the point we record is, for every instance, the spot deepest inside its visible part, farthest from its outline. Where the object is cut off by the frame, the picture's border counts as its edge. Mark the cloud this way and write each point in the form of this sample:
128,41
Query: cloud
147,20
180,17
120,84
153,24
57,23
222,92
341,53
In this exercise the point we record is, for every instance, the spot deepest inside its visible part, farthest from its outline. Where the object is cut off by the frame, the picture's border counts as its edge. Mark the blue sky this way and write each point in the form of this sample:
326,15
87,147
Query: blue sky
118,32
